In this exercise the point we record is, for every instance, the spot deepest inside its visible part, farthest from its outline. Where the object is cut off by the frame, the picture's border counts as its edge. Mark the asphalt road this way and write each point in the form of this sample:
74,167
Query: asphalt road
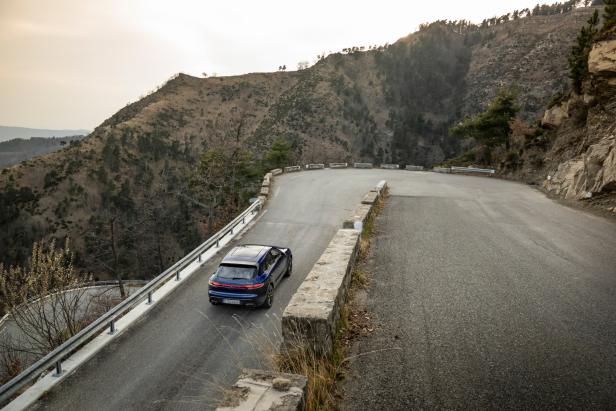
186,351
491,285
486,295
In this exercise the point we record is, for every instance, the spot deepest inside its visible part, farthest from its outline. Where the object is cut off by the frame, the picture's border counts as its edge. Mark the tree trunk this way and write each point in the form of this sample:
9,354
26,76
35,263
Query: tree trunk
115,259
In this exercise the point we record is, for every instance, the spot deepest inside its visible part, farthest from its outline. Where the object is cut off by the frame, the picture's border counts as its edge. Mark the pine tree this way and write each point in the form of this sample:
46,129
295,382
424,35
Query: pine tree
578,59
491,127
609,14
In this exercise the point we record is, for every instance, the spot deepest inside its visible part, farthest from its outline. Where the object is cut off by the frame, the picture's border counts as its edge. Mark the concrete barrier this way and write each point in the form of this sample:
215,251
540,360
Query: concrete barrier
390,166
266,391
264,191
414,168
338,165
314,166
360,215
362,165
381,185
276,171
314,310
370,197
441,170
292,169
472,170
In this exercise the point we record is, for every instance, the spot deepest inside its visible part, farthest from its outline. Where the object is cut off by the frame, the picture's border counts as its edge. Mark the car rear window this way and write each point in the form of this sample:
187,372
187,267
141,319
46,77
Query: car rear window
236,272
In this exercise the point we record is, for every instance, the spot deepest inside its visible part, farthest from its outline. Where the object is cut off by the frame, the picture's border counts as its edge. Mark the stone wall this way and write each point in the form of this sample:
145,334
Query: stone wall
265,391
314,310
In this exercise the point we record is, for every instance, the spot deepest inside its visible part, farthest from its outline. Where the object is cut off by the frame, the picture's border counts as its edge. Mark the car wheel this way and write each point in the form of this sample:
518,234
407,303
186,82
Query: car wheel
213,302
269,297
289,269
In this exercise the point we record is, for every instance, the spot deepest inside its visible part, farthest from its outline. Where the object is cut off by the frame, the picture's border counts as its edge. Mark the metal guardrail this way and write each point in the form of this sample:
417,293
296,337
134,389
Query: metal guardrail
55,358
472,170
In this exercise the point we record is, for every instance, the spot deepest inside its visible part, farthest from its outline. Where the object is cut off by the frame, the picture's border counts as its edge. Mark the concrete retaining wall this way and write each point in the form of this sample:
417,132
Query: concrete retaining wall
314,166
314,310
414,168
266,391
338,165
292,169
362,165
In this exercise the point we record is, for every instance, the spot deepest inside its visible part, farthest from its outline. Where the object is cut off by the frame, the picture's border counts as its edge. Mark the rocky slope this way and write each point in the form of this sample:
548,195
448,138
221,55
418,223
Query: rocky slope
122,194
572,152
582,160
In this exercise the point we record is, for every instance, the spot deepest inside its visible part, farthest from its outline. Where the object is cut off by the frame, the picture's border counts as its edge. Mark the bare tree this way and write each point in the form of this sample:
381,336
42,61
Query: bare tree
45,313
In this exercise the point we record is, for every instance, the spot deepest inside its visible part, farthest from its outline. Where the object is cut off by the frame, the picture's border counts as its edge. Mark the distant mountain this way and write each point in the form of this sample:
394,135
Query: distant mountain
9,133
19,149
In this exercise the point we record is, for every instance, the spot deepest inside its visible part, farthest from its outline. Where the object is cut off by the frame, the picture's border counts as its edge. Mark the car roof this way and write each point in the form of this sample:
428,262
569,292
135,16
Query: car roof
246,254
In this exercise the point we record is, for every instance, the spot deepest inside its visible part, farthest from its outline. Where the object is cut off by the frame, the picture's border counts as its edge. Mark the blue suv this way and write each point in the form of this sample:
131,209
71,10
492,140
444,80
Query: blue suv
248,275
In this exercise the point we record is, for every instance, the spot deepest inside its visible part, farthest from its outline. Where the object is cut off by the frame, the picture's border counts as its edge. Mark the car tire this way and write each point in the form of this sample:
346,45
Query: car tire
213,302
289,269
269,297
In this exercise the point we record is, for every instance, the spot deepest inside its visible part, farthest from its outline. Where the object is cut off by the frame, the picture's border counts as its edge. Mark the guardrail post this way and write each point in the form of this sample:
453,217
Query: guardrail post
199,257
217,242
244,220
58,367
150,297
231,231
112,327
177,275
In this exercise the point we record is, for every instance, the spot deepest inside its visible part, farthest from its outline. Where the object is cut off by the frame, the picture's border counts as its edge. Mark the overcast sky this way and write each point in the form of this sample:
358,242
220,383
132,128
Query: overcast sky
73,63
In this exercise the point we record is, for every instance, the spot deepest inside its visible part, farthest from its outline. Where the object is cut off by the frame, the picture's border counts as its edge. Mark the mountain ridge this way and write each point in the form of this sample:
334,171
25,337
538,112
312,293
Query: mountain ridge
10,132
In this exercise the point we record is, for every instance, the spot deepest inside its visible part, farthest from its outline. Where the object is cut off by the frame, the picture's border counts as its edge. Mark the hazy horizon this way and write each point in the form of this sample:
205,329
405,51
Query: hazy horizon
71,64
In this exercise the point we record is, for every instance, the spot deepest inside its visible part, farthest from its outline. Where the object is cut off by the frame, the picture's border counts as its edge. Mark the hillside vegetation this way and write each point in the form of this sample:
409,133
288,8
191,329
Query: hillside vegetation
163,173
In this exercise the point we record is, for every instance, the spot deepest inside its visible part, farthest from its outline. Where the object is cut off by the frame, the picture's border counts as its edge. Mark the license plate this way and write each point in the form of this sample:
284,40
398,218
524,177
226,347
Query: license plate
228,301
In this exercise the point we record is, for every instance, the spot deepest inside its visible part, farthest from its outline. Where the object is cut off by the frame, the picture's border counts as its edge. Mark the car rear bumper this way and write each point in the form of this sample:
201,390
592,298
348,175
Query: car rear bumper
219,297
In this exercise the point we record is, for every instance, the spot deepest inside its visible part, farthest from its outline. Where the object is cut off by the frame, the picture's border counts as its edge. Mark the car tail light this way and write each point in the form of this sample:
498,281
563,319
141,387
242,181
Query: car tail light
242,286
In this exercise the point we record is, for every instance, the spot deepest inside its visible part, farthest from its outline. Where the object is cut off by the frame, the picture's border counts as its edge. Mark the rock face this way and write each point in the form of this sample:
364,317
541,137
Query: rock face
587,165
591,173
602,59
554,116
